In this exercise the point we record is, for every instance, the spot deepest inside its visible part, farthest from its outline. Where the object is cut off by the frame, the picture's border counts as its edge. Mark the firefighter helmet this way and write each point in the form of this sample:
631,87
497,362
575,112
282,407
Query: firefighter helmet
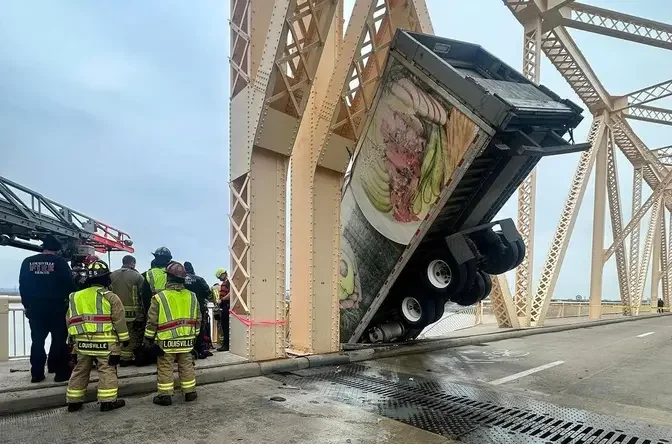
97,269
163,252
219,272
176,269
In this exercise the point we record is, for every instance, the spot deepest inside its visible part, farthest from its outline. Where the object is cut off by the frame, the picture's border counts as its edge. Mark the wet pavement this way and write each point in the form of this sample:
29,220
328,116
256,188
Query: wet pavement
15,375
614,369
602,384
467,412
234,412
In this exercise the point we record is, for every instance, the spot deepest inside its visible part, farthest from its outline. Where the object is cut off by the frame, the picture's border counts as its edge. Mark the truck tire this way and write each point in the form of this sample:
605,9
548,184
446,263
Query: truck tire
488,284
439,310
500,261
441,275
416,311
474,293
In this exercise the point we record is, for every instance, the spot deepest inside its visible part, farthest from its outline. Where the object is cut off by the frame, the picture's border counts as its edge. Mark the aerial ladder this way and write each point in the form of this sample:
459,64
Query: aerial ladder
26,217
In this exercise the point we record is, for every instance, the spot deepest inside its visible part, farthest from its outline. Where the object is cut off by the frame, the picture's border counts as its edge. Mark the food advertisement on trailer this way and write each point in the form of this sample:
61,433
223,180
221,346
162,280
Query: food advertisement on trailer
411,147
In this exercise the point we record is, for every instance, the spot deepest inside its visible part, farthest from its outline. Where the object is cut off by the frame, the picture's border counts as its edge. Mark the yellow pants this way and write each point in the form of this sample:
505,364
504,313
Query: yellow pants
164,373
79,380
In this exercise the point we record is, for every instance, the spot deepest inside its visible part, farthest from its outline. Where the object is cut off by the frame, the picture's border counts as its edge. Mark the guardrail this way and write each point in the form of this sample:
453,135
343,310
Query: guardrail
15,337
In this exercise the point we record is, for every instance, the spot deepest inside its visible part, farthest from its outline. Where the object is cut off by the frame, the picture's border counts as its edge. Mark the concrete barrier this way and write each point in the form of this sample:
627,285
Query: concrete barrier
51,397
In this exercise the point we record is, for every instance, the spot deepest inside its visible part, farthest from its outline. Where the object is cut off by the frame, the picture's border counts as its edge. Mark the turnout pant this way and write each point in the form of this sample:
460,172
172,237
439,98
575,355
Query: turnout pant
108,385
43,323
136,331
164,373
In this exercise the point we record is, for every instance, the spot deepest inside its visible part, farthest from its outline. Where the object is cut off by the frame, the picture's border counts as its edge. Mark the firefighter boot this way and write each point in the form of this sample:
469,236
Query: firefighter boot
163,400
75,406
191,396
109,406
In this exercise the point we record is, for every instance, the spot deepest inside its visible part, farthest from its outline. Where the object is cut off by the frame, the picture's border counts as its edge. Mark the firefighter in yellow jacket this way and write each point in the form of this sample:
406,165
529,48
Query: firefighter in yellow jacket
173,321
96,327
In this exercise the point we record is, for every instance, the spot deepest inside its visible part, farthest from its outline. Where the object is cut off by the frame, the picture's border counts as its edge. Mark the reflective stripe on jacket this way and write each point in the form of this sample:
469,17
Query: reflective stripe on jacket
95,318
156,278
174,319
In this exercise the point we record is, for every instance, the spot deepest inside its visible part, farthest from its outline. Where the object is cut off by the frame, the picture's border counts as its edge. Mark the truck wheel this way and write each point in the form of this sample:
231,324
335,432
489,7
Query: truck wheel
506,260
473,294
441,275
417,312
488,284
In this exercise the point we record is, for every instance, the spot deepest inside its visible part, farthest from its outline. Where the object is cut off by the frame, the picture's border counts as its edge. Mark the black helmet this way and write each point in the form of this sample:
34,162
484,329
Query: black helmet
163,252
97,269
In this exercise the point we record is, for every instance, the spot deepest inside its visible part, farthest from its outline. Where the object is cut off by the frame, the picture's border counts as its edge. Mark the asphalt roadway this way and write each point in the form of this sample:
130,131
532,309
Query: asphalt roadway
621,370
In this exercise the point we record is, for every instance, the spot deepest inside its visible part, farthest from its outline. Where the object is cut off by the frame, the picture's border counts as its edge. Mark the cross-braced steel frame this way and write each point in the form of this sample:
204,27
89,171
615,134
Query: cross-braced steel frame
301,89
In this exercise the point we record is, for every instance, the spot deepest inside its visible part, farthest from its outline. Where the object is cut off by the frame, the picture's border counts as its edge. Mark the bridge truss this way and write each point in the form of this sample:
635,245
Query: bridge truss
301,89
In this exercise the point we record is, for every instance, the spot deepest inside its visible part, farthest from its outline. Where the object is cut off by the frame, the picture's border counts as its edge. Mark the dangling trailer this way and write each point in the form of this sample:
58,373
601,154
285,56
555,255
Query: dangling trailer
452,134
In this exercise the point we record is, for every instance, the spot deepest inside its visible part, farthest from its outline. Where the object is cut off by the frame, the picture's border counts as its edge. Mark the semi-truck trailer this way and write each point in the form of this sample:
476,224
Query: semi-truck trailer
451,134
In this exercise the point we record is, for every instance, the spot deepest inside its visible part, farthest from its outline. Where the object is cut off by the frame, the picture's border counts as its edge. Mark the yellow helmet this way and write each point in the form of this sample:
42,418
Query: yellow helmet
219,272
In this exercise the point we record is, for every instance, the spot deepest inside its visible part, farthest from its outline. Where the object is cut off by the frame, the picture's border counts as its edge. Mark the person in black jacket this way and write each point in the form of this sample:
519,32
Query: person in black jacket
198,286
45,282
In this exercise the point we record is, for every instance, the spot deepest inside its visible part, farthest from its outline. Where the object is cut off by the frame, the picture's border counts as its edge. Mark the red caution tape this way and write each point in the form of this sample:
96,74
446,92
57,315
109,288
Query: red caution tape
249,322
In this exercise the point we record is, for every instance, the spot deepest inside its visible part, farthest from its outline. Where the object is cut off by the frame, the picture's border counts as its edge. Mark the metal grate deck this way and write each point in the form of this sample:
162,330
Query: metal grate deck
470,414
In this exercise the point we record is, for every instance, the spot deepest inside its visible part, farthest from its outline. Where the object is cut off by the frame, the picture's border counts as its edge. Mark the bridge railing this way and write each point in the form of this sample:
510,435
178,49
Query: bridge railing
471,316
15,339
15,330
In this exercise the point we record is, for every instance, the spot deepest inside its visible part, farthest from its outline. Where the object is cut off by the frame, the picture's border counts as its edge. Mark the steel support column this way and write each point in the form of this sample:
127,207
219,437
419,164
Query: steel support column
597,259
563,232
667,270
275,48
634,236
656,269
646,256
527,190
313,309
614,196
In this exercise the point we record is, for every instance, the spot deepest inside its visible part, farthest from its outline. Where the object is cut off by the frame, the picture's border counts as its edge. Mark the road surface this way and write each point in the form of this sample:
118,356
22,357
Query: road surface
609,381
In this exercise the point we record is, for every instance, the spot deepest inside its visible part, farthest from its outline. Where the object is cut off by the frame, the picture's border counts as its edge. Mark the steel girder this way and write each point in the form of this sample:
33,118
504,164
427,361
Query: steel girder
563,53
275,49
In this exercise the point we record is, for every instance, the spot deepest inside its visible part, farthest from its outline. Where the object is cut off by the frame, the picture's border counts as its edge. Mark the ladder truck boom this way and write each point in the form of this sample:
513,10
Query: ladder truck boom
27,216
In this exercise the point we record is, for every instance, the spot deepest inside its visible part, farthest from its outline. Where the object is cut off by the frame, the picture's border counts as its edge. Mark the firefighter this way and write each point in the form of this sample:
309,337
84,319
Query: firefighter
155,277
174,320
224,306
197,285
127,283
155,281
96,326
45,281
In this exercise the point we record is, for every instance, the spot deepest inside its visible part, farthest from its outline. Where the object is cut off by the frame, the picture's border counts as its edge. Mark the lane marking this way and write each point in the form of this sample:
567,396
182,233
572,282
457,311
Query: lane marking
645,334
526,373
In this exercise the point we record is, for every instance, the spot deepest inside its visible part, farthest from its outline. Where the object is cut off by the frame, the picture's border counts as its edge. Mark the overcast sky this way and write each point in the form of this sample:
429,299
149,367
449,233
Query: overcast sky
119,110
